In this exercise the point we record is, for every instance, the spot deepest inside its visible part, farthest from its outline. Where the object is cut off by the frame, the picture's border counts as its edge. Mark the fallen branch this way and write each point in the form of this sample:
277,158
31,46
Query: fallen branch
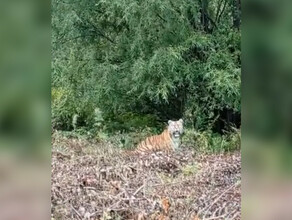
222,194
78,214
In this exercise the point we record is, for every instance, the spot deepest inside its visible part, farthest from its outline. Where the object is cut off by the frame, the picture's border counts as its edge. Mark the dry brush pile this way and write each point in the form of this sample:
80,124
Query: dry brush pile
93,181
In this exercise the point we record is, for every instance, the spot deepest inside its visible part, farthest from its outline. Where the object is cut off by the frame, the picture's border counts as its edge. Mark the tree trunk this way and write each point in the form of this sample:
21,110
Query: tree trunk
236,13
204,15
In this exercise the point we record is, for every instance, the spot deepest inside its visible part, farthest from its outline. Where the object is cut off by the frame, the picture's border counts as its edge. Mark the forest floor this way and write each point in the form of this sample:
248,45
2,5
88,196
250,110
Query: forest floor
94,181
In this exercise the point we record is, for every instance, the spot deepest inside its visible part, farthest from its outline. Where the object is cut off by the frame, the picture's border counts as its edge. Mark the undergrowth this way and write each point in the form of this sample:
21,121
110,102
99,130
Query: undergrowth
208,142
201,141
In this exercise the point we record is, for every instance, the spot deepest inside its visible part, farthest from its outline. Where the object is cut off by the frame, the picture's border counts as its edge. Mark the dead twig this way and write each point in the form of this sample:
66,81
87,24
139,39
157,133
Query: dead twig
207,208
78,214
141,187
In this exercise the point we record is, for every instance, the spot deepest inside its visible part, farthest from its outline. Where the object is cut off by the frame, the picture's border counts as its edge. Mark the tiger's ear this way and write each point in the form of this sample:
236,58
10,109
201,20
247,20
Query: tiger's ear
181,121
169,121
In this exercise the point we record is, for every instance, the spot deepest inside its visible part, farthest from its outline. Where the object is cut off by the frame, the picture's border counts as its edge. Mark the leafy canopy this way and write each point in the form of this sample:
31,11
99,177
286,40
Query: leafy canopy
164,58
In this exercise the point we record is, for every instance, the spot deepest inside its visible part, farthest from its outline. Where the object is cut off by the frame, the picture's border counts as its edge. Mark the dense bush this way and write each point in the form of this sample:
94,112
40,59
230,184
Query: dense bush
144,62
209,142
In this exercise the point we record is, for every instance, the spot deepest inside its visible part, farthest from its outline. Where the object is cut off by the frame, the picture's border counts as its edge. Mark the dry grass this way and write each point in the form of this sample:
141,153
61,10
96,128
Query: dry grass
93,181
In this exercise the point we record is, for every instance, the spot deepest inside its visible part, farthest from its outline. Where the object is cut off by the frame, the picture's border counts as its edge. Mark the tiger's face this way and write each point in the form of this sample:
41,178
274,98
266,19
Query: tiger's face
175,128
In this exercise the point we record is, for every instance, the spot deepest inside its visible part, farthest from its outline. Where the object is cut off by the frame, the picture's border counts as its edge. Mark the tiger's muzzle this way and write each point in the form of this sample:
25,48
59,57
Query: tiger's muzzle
176,134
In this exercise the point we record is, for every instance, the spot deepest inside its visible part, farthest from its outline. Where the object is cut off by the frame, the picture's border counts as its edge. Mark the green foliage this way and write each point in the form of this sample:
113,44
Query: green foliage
143,62
66,105
129,140
209,142
130,122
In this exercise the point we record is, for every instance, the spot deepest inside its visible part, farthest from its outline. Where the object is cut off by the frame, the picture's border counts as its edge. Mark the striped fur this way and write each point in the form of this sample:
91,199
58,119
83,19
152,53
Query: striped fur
168,140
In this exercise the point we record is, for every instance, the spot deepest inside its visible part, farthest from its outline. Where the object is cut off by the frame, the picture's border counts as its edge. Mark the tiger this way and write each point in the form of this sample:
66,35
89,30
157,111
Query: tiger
168,140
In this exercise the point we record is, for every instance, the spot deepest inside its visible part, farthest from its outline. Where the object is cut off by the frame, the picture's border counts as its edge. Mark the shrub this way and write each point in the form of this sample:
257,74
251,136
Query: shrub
209,142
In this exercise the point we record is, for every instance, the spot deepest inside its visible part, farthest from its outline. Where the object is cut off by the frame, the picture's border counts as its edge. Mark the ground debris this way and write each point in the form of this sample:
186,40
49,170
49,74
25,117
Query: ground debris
99,183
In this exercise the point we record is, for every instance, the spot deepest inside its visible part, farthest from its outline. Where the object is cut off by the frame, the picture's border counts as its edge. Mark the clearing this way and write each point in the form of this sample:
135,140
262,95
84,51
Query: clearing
93,181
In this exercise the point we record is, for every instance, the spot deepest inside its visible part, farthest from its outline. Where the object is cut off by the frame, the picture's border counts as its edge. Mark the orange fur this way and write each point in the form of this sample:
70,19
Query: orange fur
163,142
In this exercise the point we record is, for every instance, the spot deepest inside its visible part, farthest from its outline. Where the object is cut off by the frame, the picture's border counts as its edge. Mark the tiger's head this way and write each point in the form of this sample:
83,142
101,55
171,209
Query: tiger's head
175,128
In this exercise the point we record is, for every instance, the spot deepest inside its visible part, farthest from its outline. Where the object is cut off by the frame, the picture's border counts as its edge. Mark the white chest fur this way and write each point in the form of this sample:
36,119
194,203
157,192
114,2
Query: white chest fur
176,143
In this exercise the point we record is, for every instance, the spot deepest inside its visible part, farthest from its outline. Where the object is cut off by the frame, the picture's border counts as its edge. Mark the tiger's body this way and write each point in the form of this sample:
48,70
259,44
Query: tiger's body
168,140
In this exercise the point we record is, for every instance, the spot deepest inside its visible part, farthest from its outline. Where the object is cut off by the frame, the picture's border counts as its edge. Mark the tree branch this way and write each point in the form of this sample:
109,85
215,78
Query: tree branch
100,32
172,5
97,30
211,20
164,20
224,6
218,10
158,15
